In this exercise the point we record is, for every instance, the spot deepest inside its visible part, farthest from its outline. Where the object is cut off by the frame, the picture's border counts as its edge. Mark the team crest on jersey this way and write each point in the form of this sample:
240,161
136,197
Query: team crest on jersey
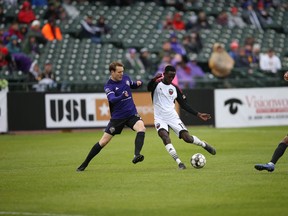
157,125
127,82
171,91
112,129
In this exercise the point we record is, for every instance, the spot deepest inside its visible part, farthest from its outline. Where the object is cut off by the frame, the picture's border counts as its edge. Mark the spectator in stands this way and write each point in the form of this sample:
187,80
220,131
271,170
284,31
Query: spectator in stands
54,11
234,48
146,61
51,31
220,61
5,37
48,71
47,79
178,23
1,36
35,31
31,46
184,75
39,3
264,16
24,29
176,46
133,62
166,60
235,20
103,26
191,22
197,71
117,2
22,62
3,54
248,52
3,19
187,71
250,16
245,3
222,19
249,40
166,50
13,3
90,30
256,52
70,9
26,14
167,24
270,62
241,60
14,46
193,43
14,29
266,3
202,21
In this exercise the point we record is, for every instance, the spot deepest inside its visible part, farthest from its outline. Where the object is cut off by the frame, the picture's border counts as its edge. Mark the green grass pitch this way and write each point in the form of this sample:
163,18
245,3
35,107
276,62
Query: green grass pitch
38,175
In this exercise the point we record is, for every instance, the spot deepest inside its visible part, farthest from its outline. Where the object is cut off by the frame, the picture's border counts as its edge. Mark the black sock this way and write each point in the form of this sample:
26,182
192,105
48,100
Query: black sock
93,152
279,151
139,141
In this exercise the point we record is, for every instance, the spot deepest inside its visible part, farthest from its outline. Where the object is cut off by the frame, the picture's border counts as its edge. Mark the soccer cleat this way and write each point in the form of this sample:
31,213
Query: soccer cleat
268,167
210,149
138,158
181,166
81,168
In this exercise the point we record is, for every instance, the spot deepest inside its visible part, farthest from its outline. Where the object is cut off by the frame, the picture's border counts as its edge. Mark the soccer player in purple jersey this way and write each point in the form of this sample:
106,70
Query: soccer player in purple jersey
123,113
278,152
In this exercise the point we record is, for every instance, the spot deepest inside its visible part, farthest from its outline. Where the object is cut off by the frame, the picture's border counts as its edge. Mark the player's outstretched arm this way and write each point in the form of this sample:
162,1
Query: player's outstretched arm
139,83
136,84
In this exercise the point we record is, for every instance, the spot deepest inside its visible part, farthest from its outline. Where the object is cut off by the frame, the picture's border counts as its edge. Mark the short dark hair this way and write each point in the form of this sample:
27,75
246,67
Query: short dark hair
113,65
169,68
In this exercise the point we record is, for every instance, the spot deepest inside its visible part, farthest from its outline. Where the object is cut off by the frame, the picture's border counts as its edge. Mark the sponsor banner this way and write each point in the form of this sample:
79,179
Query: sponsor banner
3,110
88,110
144,106
251,107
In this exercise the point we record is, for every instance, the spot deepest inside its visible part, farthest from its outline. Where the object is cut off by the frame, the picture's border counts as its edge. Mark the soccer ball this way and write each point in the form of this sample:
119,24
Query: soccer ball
198,160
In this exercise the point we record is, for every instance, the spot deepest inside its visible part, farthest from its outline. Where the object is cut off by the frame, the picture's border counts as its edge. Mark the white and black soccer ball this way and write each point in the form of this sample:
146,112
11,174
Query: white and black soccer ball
198,160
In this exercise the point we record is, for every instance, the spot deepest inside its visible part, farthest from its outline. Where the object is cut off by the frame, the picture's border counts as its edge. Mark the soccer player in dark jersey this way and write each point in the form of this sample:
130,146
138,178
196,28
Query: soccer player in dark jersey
123,113
278,152
164,94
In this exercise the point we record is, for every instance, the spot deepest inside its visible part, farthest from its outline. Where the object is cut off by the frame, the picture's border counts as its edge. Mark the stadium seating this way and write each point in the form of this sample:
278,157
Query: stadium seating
85,64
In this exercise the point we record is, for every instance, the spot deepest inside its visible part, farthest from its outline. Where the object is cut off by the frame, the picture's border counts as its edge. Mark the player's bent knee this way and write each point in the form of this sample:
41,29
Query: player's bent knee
285,140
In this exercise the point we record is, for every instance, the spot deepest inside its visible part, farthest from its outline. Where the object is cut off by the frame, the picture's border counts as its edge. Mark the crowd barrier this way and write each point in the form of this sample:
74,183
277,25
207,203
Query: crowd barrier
229,108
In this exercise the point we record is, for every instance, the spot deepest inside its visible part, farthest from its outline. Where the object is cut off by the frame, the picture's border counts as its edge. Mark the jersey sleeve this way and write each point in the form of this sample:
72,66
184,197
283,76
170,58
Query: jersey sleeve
133,84
152,85
111,95
183,103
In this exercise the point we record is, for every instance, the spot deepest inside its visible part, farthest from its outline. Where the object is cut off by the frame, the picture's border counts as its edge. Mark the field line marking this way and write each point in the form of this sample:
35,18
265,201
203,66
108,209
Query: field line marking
36,214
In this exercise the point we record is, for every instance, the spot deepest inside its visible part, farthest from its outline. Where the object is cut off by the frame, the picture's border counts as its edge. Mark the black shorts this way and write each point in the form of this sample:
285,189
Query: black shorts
115,126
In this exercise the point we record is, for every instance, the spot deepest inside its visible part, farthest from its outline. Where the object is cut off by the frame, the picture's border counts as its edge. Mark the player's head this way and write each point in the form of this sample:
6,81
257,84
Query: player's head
116,71
169,74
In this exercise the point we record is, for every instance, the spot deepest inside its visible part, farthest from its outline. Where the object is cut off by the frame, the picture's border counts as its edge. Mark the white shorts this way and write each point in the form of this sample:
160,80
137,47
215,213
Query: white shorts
174,123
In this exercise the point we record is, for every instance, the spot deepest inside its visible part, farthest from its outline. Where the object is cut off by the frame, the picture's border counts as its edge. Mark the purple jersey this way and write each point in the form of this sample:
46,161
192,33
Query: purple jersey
121,107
